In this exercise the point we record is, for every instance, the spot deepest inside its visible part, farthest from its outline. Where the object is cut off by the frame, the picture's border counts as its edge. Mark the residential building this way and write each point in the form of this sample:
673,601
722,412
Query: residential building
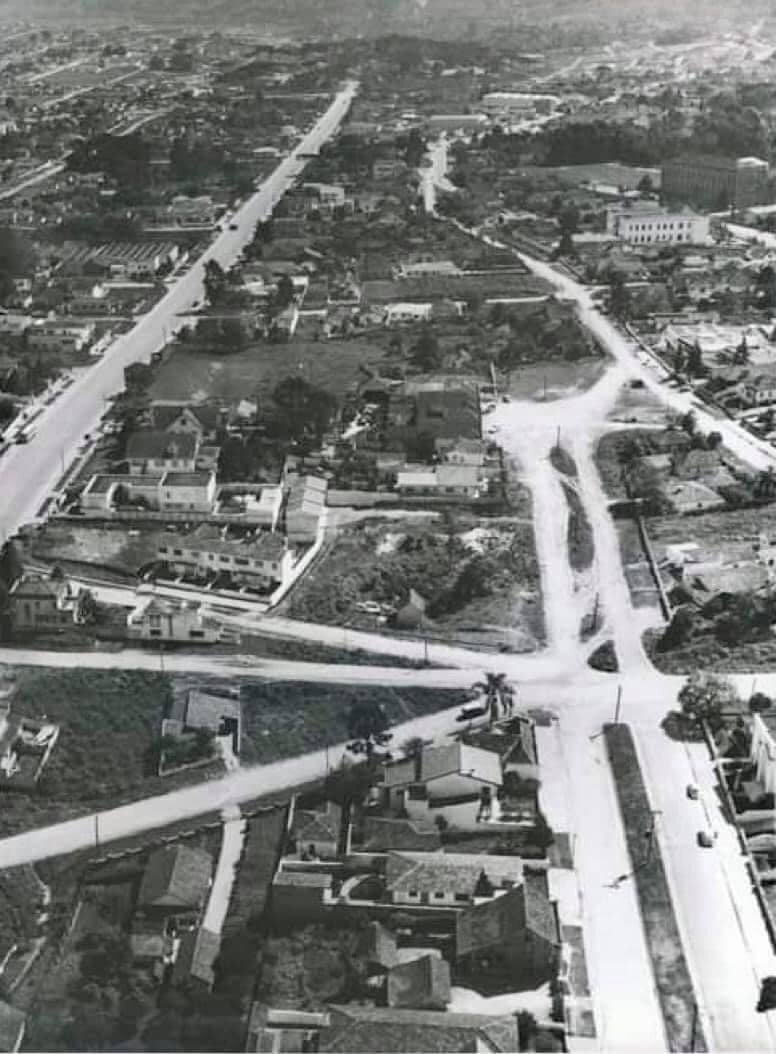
199,709
257,506
135,260
176,879
647,224
59,335
513,940
25,747
403,312
300,896
441,482
204,420
170,621
443,408
457,122
157,452
316,832
195,962
193,211
514,105
305,508
447,880
381,833
759,389
390,1030
14,323
273,1031
421,984
461,451
195,491
717,182
762,750
455,781
262,562
39,604
426,268
12,1025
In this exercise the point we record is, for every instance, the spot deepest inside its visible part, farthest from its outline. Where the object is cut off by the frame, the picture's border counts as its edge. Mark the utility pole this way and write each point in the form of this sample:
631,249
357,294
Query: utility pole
650,834
557,437
595,612
96,830
617,707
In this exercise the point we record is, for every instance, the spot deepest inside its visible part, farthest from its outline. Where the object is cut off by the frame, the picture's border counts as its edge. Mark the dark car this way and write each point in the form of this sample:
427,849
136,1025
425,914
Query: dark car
469,713
705,840
234,227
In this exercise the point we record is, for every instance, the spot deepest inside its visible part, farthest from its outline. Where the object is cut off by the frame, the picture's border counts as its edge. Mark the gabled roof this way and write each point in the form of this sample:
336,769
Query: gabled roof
421,984
35,587
176,876
150,443
164,415
377,944
450,872
310,825
385,832
374,1029
449,759
499,922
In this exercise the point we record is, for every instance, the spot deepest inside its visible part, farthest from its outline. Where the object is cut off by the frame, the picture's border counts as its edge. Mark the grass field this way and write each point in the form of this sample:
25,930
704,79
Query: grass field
195,374
106,753
554,380
112,548
672,977
580,533
300,716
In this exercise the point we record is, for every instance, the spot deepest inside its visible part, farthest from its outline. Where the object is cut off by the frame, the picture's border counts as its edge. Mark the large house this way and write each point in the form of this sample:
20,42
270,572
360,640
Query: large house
263,562
445,482
38,603
305,508
170,621
59,335
512,939
445,408
447,880
155,452
646,224
201,419
455,781
176,879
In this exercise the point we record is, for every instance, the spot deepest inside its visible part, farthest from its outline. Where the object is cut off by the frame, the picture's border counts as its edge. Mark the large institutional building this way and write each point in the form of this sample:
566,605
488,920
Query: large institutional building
644,223
717,182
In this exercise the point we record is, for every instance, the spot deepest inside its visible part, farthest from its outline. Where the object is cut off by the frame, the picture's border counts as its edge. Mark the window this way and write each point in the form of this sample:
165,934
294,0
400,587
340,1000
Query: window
156,633
177,552
241,561
461,898
438,896
196,634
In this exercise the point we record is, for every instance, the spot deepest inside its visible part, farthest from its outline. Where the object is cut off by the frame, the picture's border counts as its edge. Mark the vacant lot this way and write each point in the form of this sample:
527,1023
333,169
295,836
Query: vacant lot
478,577
672,977
106,752
192,373
112,549
555,380
281,721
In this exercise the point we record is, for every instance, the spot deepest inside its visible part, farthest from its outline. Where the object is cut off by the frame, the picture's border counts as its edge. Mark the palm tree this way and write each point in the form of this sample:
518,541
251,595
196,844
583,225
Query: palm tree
495,688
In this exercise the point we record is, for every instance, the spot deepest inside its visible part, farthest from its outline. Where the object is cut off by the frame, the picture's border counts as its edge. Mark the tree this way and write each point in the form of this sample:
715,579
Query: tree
426,355
284,293
368,726
741,356
704,697
620,300
645,186
495,688
689,422
87,608
713,440
413,746
758,702
215,281
695,365
678,631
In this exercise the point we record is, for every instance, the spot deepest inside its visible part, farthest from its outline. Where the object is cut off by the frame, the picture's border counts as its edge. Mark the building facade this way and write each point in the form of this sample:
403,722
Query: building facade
717,182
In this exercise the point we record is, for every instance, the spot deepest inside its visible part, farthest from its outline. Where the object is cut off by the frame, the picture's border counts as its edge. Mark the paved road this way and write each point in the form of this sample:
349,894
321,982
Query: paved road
28,472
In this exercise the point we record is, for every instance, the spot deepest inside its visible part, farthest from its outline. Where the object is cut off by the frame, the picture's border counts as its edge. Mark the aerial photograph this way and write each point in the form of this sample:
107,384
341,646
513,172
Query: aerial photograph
388,526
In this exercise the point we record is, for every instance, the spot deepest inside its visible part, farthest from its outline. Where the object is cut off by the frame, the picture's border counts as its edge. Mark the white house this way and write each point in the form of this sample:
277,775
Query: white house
14,323
441,482
398,313
760,389
455,781
56,334
650,224
263,562
305,508
449,879
188,490
169,620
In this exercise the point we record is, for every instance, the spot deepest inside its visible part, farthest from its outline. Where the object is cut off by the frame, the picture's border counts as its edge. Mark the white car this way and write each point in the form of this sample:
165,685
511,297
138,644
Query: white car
369,607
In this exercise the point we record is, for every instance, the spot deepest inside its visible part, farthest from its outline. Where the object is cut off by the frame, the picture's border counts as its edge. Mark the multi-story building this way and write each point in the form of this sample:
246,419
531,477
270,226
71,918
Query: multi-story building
59,335
169,621
157,452
647,224
717,182
38,603
195,491
263,562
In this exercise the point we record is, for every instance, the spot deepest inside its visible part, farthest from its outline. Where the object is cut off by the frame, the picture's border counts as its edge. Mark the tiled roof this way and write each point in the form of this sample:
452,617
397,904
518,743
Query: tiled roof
310,825
382,833
422,984
450,872
389,1029
435,762
149,443
499,921
34,587
163,415
196,957
176,877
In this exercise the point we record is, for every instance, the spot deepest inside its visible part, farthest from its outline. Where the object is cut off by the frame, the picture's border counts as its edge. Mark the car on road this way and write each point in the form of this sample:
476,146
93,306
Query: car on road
706,839
470,713
692,792
234,227
22,437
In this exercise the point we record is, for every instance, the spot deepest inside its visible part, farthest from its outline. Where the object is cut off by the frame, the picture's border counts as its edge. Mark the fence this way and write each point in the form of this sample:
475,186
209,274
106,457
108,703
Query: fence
665,605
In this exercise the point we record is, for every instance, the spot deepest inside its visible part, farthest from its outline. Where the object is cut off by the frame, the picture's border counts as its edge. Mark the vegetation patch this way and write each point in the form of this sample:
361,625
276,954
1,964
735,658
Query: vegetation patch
604,658
562,461
284,720
580,534
672,977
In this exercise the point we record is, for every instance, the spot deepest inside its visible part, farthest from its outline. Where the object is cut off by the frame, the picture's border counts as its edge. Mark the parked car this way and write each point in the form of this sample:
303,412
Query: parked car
369,607
692,791
706,839
469,713
234,227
